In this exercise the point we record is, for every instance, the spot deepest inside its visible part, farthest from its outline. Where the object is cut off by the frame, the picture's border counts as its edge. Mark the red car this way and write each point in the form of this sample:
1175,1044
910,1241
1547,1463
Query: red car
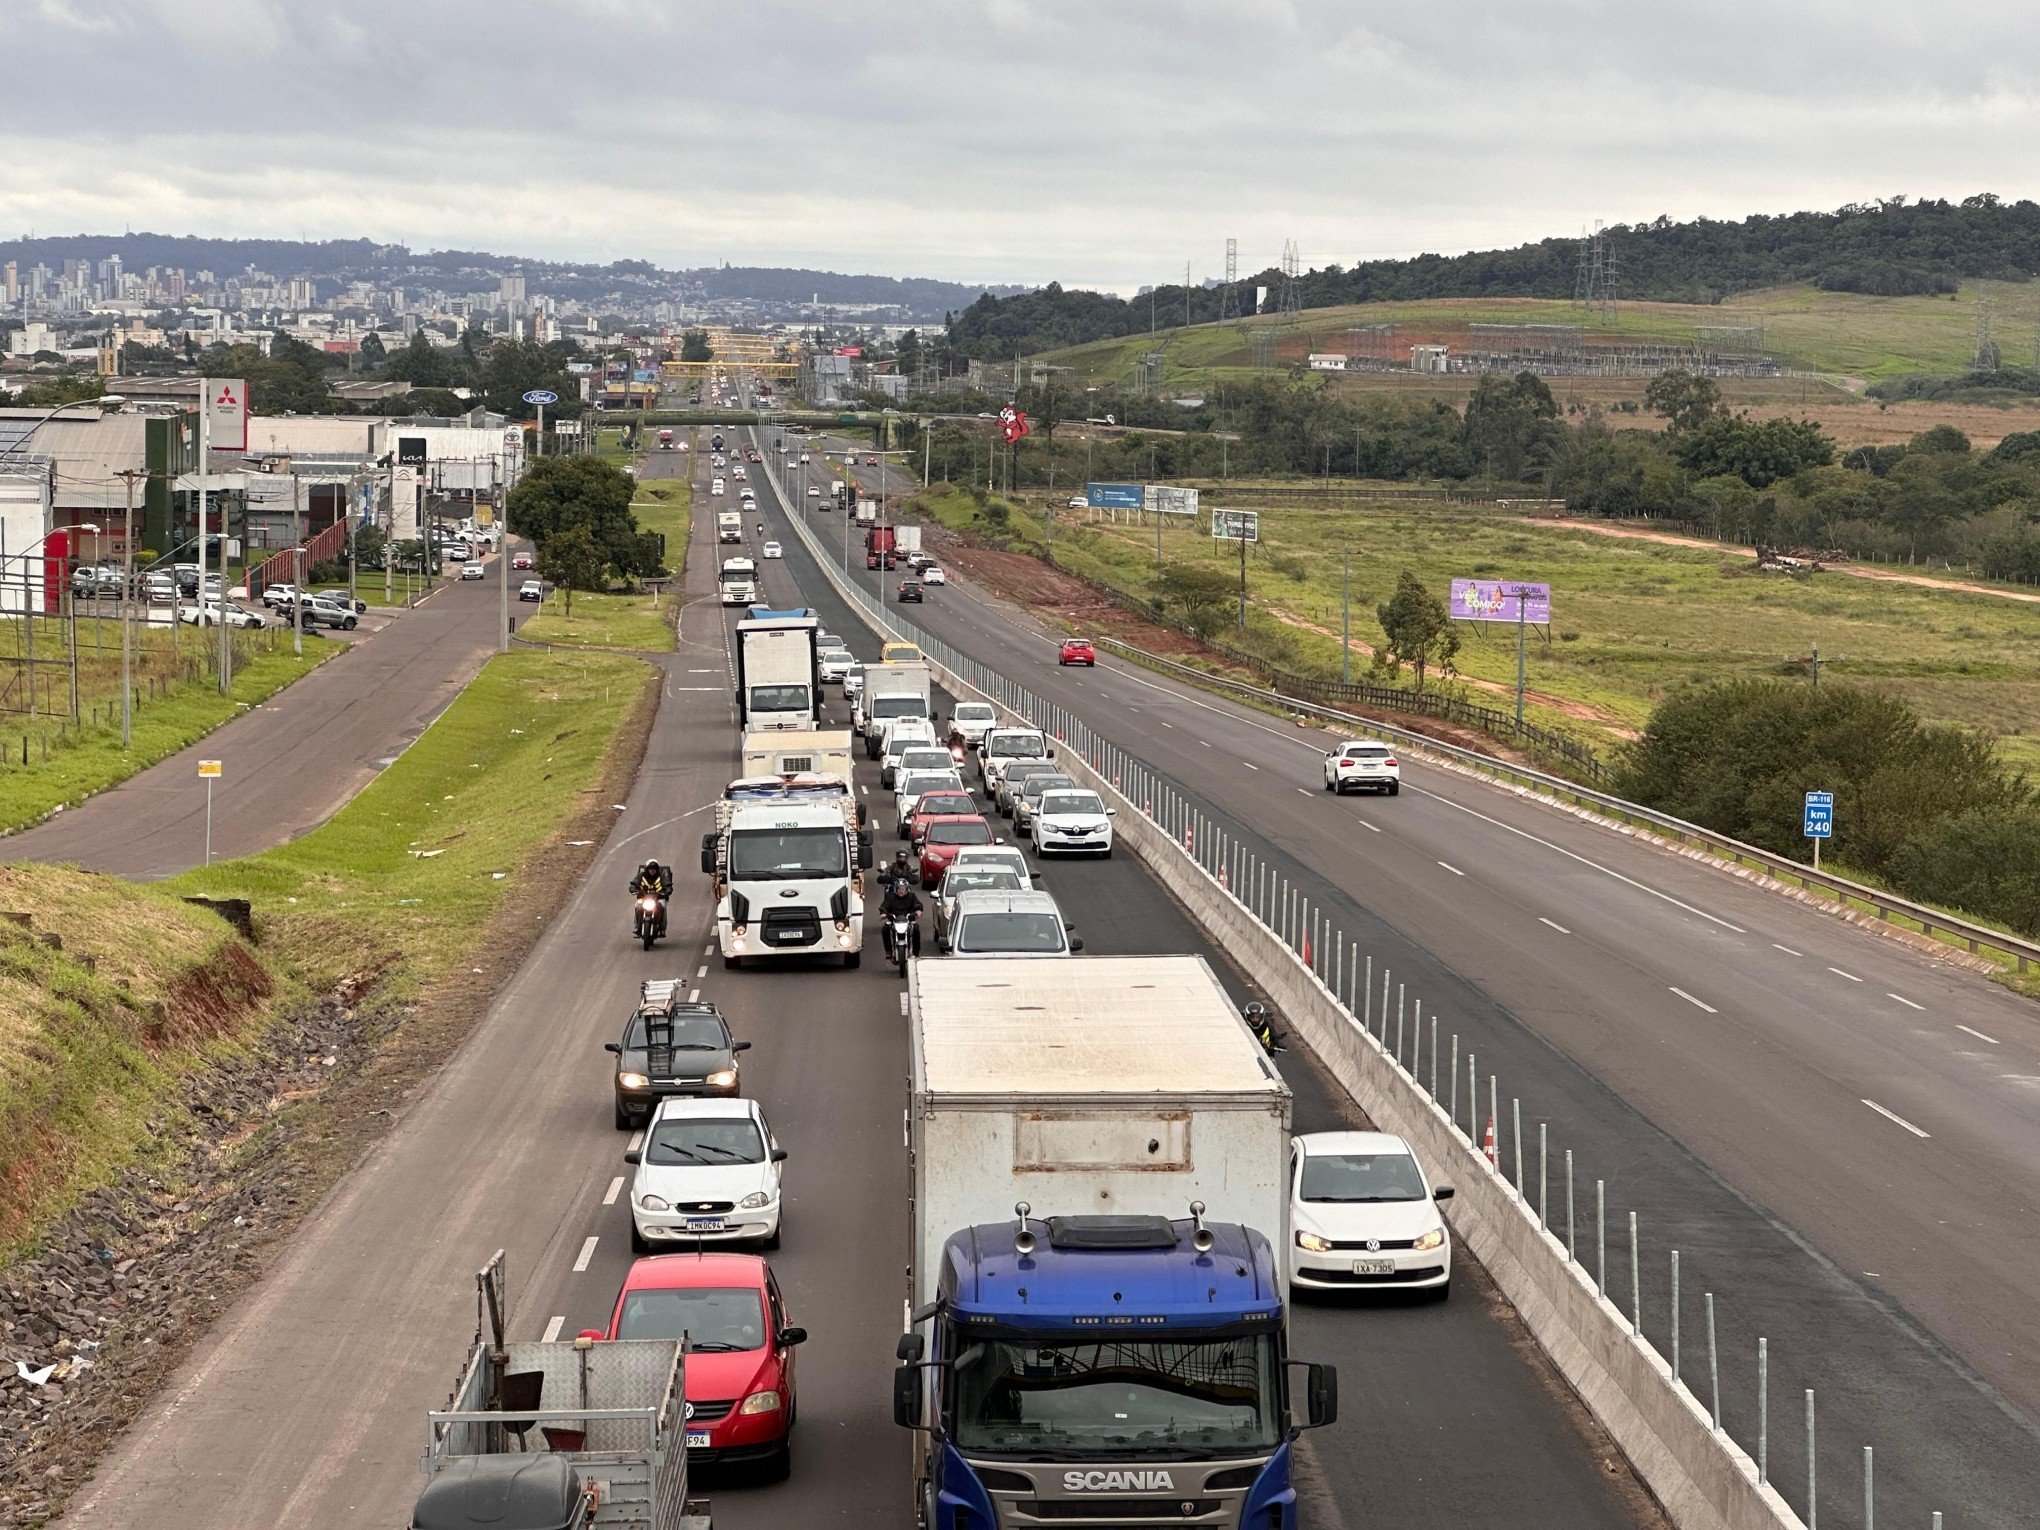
740,1393
522,560
944,804
941,836
1078,651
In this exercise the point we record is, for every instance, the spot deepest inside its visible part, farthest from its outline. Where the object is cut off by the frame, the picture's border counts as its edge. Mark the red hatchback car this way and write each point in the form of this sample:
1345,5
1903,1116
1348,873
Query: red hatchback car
943,804
740,1393
941,836
1078,651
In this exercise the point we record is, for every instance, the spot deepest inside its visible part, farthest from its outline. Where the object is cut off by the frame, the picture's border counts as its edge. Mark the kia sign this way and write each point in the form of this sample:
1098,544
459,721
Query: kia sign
1235,525
226,413
1501,600
1167,501
1115,496
541,396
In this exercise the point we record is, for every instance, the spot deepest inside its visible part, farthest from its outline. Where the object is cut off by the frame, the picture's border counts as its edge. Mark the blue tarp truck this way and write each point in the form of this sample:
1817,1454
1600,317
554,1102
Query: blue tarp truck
1096,1305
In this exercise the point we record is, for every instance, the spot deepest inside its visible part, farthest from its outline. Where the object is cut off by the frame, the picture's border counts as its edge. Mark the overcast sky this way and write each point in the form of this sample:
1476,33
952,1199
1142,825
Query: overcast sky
1099,144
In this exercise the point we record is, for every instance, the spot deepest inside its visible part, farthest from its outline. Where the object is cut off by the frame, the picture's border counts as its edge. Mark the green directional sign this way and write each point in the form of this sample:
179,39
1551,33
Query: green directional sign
848,417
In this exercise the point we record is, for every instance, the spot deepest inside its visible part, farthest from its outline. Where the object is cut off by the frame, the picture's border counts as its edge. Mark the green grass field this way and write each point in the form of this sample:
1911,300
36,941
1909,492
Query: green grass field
641,623
666,505
1837,333
1633,621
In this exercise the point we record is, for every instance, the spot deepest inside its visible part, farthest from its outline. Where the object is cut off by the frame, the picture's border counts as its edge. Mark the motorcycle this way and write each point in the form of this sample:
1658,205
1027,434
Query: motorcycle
1261,1021
648,922
956,754
902,938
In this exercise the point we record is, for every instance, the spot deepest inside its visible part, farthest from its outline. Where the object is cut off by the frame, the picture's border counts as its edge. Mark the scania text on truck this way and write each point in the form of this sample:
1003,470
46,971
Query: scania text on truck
1096,1322
779,676
893,690
788,858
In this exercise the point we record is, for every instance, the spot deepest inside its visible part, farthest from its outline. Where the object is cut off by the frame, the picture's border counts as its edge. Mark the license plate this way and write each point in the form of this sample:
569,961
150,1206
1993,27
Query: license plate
705,1224
1373,1266
697,1439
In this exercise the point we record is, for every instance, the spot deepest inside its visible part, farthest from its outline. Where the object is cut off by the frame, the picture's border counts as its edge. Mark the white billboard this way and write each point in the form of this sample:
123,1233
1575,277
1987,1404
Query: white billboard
1167,501
226,413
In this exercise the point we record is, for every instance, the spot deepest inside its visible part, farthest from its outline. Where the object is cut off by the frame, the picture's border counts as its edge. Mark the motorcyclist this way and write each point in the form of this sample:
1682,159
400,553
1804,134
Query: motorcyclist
653,881
901,898
957,747
1261,1020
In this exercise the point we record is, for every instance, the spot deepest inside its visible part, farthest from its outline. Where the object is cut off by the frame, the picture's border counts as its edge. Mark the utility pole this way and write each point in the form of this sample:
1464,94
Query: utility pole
130,477
297,530
1813,665
1522,627
204,461
1241,528
1346,622
503,559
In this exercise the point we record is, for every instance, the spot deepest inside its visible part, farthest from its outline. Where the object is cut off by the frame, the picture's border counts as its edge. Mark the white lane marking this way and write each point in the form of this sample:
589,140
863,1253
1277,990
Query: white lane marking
1165,725
587,1253
1205,742
637,1139
1584,861
1786,949
1891,1115
615,1189
1452,868
1304,791
903,1004
1908,1003
553,1326
1696,1003
693,994
1250,764
641,833
702,970
1555,925
1980,1036
1372,828
864,789
1849,975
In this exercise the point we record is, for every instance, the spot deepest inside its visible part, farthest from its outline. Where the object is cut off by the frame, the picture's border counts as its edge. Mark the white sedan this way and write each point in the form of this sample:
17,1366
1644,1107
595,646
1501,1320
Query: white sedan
772,550
708,1172
473,571
933,574
1365,1216
1075,821
208,615
814,491
1363,765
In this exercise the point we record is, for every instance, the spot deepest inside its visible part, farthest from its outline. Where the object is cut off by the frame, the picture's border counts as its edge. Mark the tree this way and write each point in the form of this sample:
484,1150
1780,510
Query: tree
373,352
517,367
1418,628
573,562
1511,424
1202,598
907,354
1759,453
561,494
59,390
424,365
694,346
1684,401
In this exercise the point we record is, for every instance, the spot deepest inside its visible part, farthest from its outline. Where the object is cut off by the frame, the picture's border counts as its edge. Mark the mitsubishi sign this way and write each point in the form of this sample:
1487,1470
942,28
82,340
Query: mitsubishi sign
225,400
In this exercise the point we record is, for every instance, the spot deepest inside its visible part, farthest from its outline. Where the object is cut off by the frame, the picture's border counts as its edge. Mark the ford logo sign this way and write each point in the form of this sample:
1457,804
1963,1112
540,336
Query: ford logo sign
789,892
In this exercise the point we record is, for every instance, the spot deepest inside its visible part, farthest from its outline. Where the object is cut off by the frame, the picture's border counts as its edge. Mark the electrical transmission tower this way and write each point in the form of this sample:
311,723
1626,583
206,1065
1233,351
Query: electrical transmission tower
1596,280
1228,299
1292,264
1987,358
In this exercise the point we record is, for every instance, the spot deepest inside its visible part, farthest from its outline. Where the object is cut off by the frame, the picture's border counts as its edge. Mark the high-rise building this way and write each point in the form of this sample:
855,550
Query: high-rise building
511,289
10,279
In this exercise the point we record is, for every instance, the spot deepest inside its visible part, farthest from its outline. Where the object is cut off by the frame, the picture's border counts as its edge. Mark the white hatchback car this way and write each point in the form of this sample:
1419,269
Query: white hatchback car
933,574
771,550
708,1172
1365,1216
1009,856
1364,765
1076,821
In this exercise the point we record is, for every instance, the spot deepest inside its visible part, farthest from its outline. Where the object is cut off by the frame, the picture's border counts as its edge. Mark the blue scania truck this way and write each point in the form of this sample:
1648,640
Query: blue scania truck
1096,1306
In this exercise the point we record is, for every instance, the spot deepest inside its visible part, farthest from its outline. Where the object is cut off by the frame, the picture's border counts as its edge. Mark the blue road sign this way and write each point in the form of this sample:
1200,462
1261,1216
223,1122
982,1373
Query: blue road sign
1820,816
541,396
1116,496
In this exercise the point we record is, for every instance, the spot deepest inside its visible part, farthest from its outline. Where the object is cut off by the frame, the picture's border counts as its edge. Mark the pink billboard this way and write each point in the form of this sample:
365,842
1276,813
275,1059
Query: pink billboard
1496,600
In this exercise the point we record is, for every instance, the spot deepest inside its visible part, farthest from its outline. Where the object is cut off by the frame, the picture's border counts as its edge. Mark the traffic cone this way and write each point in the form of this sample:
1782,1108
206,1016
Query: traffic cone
1306,948
1487,1143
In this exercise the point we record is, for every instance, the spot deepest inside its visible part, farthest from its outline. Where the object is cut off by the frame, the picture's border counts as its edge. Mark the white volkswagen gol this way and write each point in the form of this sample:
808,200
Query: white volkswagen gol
708,1172
1365,1216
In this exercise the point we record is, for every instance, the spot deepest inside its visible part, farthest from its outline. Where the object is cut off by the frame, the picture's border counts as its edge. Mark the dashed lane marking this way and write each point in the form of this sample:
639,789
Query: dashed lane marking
1908,1003
1849,975
615,1189
553,1326
1980,1036
587,1253
1556,926
1696,1003
1452,868
1892,1115
1786,949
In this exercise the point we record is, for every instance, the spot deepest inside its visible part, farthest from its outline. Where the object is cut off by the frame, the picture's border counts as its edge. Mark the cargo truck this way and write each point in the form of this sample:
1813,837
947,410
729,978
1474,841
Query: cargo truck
867,512
739,581
1096,1323
788,857
906,540
779,676
893,690
665,440
880,544
559,1436
824,752
729,526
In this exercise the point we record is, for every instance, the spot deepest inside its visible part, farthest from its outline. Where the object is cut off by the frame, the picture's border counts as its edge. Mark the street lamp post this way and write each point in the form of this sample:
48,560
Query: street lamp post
131,476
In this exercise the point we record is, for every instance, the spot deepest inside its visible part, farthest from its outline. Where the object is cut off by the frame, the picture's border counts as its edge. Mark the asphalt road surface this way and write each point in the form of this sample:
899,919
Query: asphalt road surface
1836,1132
306,1404
289,764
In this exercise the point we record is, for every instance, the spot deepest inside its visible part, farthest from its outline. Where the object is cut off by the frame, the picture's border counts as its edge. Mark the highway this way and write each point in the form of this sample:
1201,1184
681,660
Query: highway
305,1405
1835,1131
292,762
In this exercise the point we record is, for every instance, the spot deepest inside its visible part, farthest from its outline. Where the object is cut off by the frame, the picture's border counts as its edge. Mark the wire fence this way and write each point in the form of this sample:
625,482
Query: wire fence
1541,1176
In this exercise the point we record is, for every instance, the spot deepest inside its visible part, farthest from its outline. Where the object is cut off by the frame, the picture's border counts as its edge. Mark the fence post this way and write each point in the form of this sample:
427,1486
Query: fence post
1367,996
1812,1476
1516,1118
1453,1112
1764,1412
1635,1281
1675,1316
1601,1236
1571,1245
1714,1364
1543,1169
1869,1486
1434,1057
1398,1024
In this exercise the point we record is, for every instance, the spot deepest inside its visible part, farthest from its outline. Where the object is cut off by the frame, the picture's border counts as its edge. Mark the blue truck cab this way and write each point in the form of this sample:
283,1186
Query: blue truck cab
1107,1370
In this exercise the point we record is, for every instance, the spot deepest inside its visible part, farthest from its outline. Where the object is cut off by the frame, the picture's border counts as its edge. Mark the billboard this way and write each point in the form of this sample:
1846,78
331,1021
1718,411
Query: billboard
1166,501
1116,496
1236,525
1496,600
226,413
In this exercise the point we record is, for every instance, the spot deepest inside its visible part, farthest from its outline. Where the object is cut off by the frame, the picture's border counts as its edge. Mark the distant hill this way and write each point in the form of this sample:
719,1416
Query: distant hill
1885,248
477,270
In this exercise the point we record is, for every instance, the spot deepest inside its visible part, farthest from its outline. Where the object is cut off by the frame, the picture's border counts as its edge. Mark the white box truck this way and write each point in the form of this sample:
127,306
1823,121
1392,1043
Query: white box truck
779,676
738,581
729,525
788,858
825,752
1096,1310
893,690
906,540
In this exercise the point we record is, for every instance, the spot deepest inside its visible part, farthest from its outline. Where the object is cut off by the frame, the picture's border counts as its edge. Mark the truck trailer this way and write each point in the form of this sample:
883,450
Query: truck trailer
779,675
824,752
1096,1328
788,857
893,690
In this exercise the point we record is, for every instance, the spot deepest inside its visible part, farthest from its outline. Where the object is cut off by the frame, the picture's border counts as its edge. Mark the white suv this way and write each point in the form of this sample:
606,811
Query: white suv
1363,765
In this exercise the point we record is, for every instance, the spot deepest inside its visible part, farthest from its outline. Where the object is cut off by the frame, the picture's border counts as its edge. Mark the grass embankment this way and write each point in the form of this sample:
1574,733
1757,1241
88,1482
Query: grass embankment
177,702
1633,620
402,883
638,622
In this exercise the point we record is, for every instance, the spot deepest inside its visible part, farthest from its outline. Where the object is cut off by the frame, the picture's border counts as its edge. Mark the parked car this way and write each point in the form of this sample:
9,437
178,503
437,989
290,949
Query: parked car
318,611
93,581
1363,765
1366,1216
278,596
708,1171
531,589
701,1059
1078,651
454,552
208,615
740,1371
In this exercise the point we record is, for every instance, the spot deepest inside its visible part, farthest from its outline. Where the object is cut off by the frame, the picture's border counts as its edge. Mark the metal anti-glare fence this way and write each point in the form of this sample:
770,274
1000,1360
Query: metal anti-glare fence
1428,1054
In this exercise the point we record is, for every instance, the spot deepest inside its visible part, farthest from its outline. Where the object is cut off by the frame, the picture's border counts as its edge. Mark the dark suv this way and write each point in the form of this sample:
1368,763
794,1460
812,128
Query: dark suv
672,1048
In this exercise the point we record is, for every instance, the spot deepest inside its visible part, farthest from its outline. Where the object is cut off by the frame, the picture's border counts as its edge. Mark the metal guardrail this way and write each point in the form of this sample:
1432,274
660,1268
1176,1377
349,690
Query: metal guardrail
1978,939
